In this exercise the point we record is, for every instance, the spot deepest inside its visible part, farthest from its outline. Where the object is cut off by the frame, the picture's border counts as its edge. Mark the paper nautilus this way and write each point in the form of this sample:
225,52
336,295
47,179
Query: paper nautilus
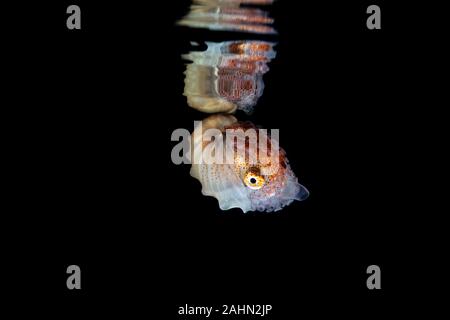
260,181
227,76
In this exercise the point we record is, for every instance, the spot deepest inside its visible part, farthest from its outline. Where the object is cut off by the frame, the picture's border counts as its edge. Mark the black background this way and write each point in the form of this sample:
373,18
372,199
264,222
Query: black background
99,109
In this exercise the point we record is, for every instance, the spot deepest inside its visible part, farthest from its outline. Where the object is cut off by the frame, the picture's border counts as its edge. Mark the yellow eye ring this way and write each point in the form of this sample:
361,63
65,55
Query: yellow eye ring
254,181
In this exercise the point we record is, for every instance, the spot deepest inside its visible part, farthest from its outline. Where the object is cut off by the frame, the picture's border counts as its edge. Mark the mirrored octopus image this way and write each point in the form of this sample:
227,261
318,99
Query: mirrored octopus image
229,15
239,164
242,166
227,76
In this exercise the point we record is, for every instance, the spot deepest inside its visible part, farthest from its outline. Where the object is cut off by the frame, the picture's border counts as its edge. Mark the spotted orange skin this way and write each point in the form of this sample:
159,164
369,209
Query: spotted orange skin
269,181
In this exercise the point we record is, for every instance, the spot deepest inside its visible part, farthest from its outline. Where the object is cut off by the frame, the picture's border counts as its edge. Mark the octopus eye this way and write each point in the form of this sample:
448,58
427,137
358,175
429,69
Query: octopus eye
254,181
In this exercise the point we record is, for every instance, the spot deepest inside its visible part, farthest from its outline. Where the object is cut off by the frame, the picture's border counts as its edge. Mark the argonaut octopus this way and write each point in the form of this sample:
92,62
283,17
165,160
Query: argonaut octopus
252,180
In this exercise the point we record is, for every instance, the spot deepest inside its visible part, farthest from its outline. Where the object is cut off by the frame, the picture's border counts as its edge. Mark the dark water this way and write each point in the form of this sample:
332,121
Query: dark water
105,195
